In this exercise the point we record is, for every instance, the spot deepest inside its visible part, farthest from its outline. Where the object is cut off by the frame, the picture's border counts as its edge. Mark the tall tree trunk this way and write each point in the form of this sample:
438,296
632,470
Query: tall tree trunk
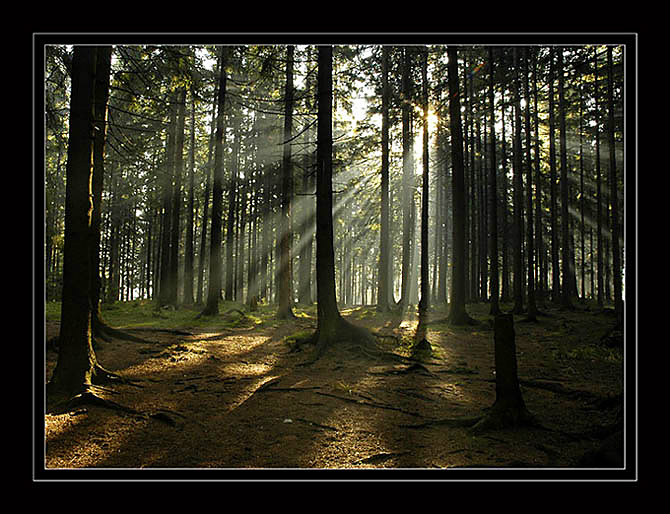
614,224
566,290
582,192
285,276
530,243
328,313
214,287
493,195
113,286
504,275
555,243
443,216
331,327
471,186
232,209
76,363
175,233
424,296
539,242
252,270
190,213
457,313
306,233
167,202
407,175
518,194
103,65
599,220
383,289
203,233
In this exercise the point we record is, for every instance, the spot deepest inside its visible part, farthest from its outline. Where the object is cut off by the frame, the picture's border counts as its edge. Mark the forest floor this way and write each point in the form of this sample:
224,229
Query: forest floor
231,392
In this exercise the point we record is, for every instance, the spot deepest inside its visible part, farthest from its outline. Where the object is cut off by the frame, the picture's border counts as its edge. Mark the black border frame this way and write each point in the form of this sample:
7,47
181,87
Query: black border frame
627,475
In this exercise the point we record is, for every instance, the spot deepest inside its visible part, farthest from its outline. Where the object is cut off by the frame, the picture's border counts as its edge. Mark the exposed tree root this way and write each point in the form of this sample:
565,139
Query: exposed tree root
88,397
505,415
104,331
344,336
369,403
104,376
285,314
464,422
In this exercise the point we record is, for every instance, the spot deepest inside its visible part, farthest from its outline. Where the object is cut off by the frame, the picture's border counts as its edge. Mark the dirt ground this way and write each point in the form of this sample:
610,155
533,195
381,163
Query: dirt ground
240,398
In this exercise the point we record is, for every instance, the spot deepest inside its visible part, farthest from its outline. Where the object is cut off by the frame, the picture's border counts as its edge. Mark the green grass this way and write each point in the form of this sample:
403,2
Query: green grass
592,352
143,314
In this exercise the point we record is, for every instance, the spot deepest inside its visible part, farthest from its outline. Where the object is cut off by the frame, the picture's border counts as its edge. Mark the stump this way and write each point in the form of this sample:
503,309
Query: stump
509,408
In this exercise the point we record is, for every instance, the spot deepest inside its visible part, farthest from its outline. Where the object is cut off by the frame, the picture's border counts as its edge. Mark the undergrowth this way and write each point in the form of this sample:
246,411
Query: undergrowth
144,314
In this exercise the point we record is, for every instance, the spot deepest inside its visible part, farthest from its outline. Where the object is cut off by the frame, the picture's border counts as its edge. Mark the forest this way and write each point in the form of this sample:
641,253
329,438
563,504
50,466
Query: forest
335,256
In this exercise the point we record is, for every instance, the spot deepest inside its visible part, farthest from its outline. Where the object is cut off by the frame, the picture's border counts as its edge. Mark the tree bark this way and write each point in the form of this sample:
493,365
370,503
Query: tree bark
599,220
614,224
493,196
457,312
530,242
173,283
504,275
424,298
566,290
509,408
228,288
189,264
383,289
165,276
518,194
214,286
285,276
328,313
76,359
555,243
331,327
205,217
407,175
103,65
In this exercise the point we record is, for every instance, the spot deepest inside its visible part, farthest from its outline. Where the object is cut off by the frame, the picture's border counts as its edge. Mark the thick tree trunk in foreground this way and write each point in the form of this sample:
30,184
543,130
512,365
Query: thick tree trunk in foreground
76,359
331,327
509,408
328,313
